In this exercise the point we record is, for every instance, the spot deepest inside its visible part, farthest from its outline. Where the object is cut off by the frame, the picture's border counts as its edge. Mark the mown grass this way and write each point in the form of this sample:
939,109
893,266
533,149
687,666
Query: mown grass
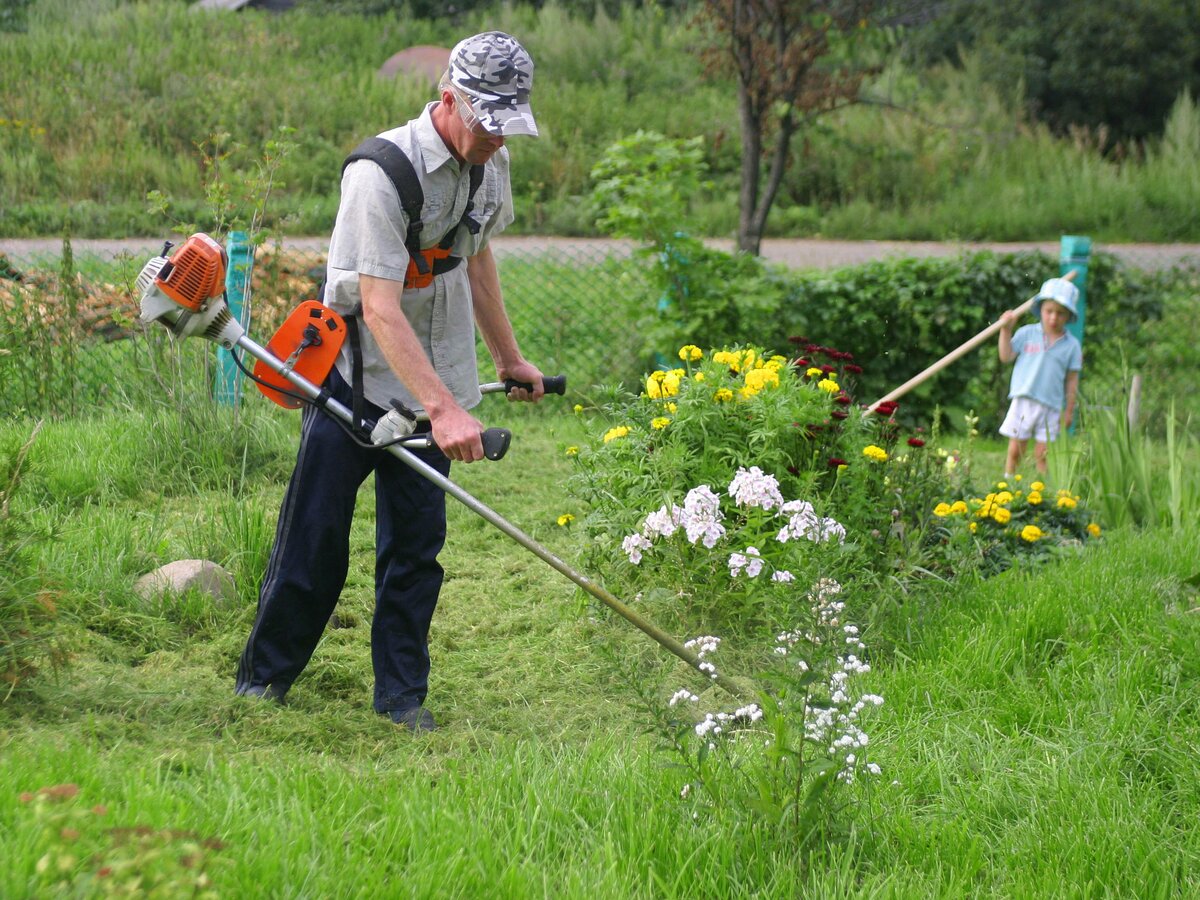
1038,737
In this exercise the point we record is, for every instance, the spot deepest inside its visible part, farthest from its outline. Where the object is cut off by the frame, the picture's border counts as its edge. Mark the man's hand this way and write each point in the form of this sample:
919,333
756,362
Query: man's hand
457,434
527,373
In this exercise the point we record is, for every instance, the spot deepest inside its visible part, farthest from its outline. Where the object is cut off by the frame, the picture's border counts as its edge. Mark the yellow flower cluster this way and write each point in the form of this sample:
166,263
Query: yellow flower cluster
691,353
618,432
1032,533
1064,499
957,508
660,384
876,453
565,519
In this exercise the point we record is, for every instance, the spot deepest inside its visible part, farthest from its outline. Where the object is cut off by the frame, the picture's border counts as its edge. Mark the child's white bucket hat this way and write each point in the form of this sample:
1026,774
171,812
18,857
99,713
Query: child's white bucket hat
1061,292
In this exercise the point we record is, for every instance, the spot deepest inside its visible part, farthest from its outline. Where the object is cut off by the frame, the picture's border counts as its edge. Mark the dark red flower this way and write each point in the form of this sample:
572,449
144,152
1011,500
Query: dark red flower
842,414
916,442
887,407
798,339
827,369
792,470
834,462
853,369
843,399
801,362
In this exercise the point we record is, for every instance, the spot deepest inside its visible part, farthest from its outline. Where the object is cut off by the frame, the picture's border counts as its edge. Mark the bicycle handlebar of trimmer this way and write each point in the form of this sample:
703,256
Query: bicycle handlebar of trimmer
551,384
495,442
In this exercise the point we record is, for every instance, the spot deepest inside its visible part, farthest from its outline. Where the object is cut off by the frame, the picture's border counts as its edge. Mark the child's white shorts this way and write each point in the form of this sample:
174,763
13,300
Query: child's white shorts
1029,419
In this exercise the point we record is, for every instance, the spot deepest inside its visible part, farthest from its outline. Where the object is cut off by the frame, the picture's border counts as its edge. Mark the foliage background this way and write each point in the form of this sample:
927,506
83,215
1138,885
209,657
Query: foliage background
101,103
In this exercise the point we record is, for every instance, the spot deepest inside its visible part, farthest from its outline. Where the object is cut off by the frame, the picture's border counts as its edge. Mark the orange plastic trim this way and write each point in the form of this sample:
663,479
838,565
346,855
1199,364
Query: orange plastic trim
314,361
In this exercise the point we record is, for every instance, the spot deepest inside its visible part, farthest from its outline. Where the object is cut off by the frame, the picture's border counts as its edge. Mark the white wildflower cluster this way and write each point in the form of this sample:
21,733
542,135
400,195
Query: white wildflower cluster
835,724
751,561
803,522
700,518
715,723
753,487
702,646
681,695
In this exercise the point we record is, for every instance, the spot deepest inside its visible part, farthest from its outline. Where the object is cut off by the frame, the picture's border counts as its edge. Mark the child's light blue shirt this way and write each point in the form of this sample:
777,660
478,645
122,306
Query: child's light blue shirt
1040,371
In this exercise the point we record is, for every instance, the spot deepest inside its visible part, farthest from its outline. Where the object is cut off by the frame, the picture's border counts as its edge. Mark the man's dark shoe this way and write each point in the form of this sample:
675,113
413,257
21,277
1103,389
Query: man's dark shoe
263,692
416,719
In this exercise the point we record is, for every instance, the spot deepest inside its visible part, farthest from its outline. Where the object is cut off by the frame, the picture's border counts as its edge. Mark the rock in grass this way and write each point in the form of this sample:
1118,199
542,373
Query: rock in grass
185,575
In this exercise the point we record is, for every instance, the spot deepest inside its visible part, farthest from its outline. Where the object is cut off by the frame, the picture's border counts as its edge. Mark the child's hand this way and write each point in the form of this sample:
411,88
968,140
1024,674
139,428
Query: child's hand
1008,319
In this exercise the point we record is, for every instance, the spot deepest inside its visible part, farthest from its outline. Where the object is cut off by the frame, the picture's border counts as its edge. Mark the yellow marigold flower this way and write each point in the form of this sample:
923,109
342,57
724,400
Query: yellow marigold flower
1001,484
613,433
778,360
1093,529
1001,515
750,360
659,423
973,527
876,453
725,358
699,376
1066,502
578,408
957,507
1034,498
1037,486
814,372
672,408
565,519
572,451
1004,497
662,384
757,379
723,395
691,353
747,392
942,510
828,385
1032,533
1017,478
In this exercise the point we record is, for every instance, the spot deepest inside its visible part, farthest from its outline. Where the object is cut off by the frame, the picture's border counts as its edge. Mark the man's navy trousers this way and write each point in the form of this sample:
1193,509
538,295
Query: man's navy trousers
311,556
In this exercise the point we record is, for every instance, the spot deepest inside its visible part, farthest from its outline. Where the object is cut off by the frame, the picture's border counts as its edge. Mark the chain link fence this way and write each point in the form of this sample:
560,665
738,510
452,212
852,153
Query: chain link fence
70,340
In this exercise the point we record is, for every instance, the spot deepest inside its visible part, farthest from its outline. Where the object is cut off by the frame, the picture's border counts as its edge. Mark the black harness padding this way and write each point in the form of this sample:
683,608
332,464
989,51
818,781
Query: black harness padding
399,170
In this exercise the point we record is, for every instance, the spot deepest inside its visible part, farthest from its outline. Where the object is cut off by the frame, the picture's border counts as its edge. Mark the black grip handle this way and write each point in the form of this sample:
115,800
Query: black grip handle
495,442
552,384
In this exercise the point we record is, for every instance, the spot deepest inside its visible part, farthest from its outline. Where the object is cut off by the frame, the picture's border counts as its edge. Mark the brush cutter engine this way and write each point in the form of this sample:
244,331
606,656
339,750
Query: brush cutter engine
183,292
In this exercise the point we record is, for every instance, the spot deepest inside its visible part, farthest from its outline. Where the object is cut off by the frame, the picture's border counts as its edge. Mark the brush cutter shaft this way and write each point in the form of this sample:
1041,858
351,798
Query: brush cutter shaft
485,512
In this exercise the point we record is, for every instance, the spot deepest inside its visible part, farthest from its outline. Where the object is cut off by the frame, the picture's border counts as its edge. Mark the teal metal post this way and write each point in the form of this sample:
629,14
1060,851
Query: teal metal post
228,382
1073,256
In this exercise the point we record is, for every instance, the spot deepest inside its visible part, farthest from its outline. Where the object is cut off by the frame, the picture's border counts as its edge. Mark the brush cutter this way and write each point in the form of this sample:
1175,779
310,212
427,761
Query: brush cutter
185,293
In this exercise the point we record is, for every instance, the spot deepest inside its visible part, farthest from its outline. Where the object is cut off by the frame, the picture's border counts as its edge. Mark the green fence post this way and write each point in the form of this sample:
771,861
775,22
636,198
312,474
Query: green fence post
1073,256
227,386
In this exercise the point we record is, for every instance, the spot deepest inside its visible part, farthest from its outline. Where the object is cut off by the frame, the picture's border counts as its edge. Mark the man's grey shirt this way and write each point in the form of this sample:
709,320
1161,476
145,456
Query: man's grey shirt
368,239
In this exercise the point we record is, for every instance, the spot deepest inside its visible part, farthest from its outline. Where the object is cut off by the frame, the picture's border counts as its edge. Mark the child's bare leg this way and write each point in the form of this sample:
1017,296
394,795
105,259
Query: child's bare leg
1039,455
1016,449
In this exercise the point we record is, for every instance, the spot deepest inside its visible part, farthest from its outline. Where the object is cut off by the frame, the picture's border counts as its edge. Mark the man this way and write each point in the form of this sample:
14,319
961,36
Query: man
417,345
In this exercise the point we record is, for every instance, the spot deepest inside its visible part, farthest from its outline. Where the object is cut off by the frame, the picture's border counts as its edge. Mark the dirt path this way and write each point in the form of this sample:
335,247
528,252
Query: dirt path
798,253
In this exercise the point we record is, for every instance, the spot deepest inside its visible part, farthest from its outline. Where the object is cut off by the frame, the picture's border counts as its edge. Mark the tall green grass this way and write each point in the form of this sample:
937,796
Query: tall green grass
104,102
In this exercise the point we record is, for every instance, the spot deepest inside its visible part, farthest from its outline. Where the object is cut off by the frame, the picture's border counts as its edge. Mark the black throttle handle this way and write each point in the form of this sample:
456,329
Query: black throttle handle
495,442
551,384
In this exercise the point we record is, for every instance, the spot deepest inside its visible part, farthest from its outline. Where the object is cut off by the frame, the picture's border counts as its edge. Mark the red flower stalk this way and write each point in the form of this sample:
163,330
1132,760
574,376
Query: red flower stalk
834,462
916,442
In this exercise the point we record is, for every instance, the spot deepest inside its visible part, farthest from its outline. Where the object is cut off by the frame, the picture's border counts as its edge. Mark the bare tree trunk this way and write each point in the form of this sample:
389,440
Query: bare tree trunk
749,236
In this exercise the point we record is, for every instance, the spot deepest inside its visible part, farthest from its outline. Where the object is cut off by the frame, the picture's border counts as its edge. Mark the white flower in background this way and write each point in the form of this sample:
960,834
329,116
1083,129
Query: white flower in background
634,545
751,561
701,517
753,487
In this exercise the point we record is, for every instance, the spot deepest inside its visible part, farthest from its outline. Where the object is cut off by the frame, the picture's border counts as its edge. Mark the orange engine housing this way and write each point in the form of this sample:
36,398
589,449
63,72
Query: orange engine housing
194,273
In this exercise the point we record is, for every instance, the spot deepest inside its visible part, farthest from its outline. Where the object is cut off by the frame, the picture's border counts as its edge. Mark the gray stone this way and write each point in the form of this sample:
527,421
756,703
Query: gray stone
185,575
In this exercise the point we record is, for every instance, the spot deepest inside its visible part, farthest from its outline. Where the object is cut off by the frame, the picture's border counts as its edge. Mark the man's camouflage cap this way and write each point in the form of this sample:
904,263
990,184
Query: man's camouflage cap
495,73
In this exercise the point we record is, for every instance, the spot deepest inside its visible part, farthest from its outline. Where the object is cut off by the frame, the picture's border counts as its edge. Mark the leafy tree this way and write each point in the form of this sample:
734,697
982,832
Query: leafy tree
1113,66
792,61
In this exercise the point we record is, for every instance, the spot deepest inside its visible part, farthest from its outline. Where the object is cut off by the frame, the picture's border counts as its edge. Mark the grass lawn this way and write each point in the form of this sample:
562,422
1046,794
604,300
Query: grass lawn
1040,736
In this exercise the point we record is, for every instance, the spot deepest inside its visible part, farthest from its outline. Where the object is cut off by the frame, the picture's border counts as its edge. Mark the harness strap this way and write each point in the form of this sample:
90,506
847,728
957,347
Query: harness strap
356,371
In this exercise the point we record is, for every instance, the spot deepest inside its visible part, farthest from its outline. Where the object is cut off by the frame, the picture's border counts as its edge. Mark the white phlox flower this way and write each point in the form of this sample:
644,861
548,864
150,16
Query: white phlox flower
751,561
701,517
662,522
703,645
783,576
682,694
634,546
753,487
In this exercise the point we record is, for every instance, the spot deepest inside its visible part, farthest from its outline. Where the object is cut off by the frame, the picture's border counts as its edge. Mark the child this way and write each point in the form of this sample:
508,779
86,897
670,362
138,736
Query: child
1046,376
